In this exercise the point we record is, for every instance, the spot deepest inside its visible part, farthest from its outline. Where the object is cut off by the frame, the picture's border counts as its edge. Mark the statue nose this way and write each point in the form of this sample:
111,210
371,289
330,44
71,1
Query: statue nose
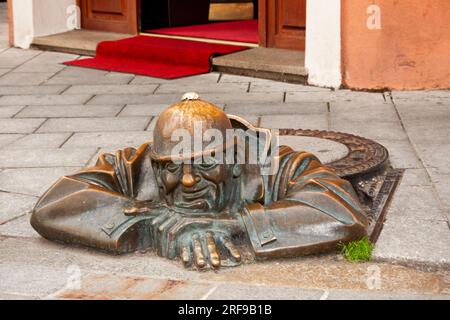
189,179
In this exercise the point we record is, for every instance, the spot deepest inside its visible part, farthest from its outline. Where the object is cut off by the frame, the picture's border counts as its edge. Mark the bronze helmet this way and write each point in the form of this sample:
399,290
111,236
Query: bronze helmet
184,115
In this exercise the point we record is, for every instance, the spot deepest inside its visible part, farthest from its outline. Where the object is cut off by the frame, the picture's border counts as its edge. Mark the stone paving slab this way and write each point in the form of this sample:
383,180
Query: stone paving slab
416,177
275,86
46,62
372,130
401,154
414,242
34,281
435,155
73,99
9,111
109,139
66,111
226,88
416,202
212,77
341,95
43,140
6,139
13,57
307,121
32,181
24,79
13,205
41,158
95,124
75,76
112,89
277,108
19,227
19,125
35,90
414,95
133,110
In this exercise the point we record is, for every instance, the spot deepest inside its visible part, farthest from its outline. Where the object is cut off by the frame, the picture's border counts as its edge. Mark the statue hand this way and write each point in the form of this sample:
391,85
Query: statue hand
209,248
137,208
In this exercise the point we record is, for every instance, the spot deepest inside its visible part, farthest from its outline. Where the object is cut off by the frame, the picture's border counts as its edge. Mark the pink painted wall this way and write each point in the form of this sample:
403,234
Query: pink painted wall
410,51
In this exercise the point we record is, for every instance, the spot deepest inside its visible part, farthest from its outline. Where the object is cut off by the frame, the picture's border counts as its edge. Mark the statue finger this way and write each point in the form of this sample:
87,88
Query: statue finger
199,257
214,257
186,256
231,248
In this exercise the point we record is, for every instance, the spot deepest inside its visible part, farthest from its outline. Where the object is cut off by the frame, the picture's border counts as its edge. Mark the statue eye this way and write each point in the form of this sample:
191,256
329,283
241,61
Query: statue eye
207,164
172,167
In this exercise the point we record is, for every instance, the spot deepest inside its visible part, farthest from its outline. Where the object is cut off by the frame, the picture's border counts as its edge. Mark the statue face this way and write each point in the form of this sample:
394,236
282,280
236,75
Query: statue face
203,187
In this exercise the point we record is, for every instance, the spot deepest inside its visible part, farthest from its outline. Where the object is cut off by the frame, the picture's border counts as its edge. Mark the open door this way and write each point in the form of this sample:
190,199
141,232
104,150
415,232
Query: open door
283,23
110,15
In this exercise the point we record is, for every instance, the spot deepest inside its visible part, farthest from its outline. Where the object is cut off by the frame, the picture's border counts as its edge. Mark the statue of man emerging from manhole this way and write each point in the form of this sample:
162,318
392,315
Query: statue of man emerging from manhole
203,203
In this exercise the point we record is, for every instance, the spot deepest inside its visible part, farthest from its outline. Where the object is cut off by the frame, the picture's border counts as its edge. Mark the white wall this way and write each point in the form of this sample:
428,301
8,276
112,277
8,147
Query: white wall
323,43
33,18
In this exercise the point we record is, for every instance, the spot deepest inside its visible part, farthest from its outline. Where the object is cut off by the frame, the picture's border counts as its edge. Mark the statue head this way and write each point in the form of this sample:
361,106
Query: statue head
188,155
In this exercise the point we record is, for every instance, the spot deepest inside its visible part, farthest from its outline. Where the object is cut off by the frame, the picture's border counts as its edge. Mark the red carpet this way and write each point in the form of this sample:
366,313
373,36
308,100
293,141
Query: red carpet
242,31
156,57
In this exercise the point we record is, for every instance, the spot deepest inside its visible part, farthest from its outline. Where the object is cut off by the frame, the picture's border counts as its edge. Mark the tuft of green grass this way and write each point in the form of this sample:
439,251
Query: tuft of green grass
357,251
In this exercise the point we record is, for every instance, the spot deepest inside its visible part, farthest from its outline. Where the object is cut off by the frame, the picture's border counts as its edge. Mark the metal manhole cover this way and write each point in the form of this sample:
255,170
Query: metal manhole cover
364,155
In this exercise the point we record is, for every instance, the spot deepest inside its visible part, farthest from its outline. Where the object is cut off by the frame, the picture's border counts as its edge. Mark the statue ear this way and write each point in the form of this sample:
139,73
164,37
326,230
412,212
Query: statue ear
237,170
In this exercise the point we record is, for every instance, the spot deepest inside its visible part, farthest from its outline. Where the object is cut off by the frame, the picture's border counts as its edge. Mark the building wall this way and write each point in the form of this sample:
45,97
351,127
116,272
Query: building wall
323,42
406,47
33,18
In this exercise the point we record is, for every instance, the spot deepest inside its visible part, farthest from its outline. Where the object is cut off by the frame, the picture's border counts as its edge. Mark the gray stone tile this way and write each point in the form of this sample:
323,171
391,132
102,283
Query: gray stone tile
108,139
251,292
13,205
19,227
46,62
32,280
309,121
428,133
72,99
19,125
415,177
180,89
133,110
112,89
24,79
381,295
435,155
278,108
43,140
65,111
371,130
14,57
135,99
275,86
83,76
414,242
401,154
424,111
26,89
441,183
41,158
415,95
243,98
6,139
9,111
356,111
3,71
341,95
199,79
32,181
95,124
416,202
226,78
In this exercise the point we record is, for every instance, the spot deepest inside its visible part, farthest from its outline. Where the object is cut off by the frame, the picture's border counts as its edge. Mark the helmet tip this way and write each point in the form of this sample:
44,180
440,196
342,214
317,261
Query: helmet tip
190,96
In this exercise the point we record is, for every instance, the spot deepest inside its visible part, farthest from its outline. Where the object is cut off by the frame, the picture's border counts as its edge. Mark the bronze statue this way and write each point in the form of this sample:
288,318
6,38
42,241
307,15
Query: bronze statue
191,206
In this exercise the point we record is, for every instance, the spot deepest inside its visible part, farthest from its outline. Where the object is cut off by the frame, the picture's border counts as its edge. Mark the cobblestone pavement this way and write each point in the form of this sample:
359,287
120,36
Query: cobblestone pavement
56,119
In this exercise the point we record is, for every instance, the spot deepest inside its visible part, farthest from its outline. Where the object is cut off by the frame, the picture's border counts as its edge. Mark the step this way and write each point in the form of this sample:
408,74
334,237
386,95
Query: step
82,42
267,63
